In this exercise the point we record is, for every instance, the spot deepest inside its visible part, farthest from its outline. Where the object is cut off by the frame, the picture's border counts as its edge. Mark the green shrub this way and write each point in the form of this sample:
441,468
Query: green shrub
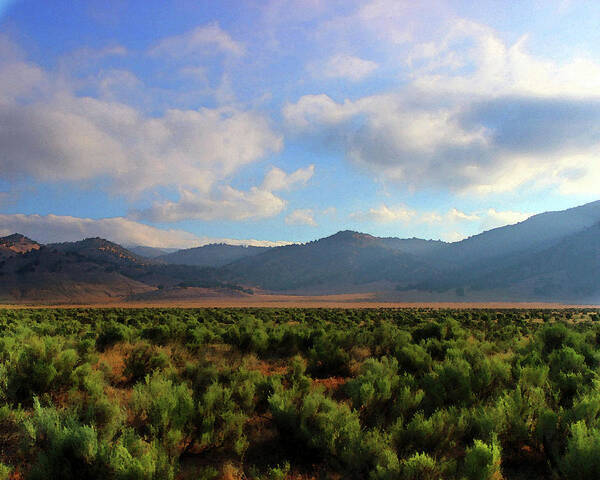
165,409
111,333
420,466
66,449
327,358
143,360
5,471
482,461
332,431
582,456
37,367
221,421
279,472
414,358
375,386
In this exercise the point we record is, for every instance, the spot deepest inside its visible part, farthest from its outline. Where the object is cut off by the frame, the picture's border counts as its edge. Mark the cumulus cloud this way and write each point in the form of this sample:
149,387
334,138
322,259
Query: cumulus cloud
80,138
385,214
60,228
49,133
276,179
493,218
477,115
301,217
483,219
199,41
230,203
349,67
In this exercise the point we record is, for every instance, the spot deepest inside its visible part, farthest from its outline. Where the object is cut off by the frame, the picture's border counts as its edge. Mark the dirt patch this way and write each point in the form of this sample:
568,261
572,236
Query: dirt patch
351,300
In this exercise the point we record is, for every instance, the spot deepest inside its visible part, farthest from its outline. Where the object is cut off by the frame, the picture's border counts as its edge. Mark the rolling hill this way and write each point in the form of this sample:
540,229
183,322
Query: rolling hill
336,263
212,255
553,256
90,270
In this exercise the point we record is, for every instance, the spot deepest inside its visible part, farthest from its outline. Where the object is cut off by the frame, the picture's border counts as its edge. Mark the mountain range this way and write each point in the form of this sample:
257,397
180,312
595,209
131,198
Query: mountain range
553,256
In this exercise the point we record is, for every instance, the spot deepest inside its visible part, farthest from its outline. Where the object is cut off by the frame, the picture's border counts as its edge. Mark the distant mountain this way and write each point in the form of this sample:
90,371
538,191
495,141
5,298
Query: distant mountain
535,233
213,255
100,250
528,260
339,261
49,275
150,252
522,261
93,270
16,243
553,256
569,269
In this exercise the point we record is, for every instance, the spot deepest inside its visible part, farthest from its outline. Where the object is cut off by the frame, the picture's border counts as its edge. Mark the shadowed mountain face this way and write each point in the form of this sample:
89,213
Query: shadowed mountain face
213,255
150,252
551,256
568,269
554,256
91,270
534,234
341,260
100,250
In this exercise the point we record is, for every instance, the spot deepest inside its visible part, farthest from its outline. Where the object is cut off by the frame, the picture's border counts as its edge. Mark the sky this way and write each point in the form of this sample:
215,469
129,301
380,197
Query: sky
175,124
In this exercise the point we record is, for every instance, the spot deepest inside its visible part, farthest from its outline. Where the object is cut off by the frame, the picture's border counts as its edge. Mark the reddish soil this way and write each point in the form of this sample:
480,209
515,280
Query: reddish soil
352,300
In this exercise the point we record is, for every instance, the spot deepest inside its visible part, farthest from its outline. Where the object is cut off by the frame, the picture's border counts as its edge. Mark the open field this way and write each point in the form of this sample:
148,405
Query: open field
351,300
266,394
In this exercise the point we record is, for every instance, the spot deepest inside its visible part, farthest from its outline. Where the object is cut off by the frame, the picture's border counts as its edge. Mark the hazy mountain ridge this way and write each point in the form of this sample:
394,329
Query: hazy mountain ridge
150,252
212,255
93,269
346,258
535,233
552,256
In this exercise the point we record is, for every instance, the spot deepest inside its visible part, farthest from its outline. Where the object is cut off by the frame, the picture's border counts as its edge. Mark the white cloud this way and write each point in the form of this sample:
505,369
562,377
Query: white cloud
276,179
453,236
484,220
455,215
384,20
348,66
50,134
199,41
80,138
475,115
493,218
301,217
228,204
385,214
59,228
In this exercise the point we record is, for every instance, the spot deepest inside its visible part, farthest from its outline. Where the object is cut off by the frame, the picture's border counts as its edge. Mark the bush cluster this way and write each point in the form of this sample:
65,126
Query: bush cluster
276,393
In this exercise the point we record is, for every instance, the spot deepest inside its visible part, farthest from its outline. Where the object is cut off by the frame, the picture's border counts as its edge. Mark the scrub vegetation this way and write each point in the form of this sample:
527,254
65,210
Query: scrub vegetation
299,394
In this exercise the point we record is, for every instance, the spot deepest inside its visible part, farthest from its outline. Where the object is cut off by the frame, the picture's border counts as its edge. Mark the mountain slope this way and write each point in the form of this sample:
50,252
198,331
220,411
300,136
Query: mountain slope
47,274
16,243
150,252
94,270
341,260
570,269
533,234
99,250
213,255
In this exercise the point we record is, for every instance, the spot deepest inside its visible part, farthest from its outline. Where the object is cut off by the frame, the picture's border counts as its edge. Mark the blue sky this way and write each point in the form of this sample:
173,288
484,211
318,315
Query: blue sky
179,123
